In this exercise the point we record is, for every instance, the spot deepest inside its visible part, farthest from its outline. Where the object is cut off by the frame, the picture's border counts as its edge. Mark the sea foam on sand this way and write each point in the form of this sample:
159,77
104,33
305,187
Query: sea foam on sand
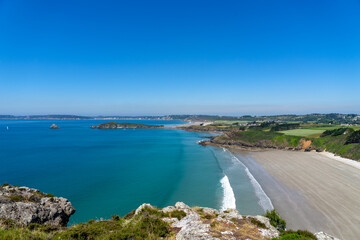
347,161
229,196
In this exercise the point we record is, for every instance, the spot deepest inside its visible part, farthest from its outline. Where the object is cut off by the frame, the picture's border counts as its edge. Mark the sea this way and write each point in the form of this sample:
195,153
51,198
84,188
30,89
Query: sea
105,172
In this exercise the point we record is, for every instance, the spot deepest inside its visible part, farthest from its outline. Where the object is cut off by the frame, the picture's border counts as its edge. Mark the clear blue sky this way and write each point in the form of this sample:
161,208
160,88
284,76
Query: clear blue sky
165,57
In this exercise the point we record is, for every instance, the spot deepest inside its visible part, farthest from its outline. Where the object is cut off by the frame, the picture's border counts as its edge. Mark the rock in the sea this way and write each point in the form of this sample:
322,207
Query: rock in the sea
27,205
54,126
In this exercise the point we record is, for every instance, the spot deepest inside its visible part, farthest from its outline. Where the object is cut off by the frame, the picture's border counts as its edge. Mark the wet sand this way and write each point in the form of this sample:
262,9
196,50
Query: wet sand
309,190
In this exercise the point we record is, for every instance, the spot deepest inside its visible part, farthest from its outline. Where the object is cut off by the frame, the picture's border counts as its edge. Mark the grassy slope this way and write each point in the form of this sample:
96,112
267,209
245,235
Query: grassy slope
270,139
147,225
261,138
302,132
337,145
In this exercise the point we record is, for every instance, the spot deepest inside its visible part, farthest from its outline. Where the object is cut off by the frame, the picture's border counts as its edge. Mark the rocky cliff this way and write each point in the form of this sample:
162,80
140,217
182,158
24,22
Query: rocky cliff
27,205
26,213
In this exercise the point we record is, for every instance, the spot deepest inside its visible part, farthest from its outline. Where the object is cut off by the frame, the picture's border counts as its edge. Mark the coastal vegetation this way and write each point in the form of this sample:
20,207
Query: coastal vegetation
296,235
146,222
340,140
276,220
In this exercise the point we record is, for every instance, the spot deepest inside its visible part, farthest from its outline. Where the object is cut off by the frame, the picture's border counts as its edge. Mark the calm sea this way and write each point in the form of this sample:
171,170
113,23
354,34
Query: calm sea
112,171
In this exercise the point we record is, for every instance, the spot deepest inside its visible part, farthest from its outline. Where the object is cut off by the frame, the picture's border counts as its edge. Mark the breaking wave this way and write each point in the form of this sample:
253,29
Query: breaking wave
264,201
229,200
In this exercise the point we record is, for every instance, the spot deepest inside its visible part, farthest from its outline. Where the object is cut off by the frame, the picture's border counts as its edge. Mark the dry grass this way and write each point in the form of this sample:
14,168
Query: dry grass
241,229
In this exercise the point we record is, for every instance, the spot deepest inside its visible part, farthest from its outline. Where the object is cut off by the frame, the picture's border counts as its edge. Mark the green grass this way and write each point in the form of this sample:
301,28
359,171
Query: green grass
146,225
302,132
296,235
230,122
276,220
325,126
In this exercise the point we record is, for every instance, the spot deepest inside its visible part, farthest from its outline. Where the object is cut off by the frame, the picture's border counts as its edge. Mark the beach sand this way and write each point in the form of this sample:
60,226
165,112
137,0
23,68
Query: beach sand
309,190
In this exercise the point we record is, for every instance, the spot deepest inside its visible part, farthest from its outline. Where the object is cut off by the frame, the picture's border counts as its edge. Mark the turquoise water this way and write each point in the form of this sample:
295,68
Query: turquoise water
112,171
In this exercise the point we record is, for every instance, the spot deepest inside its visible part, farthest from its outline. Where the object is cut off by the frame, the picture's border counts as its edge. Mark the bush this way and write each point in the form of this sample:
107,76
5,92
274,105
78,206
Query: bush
156,212
353,138
115,217
16,198
298,235
337,132
276,220
283,127
258,223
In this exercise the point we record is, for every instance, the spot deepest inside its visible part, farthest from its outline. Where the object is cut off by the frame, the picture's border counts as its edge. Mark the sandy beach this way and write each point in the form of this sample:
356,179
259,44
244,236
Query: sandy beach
310,191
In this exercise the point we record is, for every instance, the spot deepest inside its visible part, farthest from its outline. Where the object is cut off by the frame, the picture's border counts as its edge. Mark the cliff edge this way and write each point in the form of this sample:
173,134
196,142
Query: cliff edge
27,205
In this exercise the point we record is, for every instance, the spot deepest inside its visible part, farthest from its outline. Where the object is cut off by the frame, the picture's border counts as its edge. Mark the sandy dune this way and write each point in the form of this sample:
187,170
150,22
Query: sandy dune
309,190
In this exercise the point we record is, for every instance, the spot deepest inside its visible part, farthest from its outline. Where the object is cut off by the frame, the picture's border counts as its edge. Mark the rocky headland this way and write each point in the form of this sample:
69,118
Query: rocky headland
238,140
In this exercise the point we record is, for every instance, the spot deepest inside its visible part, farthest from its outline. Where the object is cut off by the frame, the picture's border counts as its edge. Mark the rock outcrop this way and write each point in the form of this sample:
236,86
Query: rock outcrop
27,205
210,224
325,236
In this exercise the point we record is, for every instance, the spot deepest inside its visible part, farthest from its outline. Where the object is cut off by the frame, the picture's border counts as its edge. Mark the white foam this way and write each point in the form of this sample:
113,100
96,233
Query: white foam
229,196
264,200
347,161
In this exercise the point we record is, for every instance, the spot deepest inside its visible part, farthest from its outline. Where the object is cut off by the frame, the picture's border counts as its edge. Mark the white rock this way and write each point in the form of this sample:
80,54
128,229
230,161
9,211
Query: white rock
324,236
142,206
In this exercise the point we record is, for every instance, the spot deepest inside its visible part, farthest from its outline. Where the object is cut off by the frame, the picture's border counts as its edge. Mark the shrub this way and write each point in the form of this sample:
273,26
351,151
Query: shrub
115,217
129,215
16,198
276,220
287,126
257,223
156,212
353,138
337,132
298,235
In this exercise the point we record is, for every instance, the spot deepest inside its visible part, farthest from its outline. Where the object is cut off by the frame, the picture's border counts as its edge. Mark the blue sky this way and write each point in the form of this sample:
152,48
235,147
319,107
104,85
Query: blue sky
175,57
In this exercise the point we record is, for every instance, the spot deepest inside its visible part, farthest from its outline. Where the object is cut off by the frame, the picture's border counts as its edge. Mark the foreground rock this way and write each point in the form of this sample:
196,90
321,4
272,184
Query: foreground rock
27,205
325,236
23,206
211,224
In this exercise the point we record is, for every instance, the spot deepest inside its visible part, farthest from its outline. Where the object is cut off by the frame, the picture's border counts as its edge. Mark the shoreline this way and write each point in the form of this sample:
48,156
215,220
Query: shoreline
312,191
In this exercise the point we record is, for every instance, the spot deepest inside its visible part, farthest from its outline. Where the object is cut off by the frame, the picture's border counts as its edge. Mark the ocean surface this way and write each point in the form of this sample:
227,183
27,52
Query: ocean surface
112,171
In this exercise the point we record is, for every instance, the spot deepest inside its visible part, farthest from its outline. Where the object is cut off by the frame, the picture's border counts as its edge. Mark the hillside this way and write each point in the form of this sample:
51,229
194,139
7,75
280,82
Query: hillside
342,141
146,222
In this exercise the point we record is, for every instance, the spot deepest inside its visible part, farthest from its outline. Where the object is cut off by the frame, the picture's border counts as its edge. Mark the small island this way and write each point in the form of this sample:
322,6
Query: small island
113,125
54,126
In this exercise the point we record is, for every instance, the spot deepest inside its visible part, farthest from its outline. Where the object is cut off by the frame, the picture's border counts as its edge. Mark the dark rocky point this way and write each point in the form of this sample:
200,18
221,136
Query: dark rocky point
54,126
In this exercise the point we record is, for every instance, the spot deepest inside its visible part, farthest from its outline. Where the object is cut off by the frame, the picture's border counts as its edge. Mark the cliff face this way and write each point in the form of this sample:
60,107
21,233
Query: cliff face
27,205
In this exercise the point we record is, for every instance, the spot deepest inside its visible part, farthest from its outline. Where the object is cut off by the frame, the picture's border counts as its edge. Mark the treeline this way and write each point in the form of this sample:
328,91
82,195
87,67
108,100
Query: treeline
352,135
283,127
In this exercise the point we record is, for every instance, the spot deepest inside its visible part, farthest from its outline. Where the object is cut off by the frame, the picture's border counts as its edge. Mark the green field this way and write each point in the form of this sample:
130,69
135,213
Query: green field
303,132
229,122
